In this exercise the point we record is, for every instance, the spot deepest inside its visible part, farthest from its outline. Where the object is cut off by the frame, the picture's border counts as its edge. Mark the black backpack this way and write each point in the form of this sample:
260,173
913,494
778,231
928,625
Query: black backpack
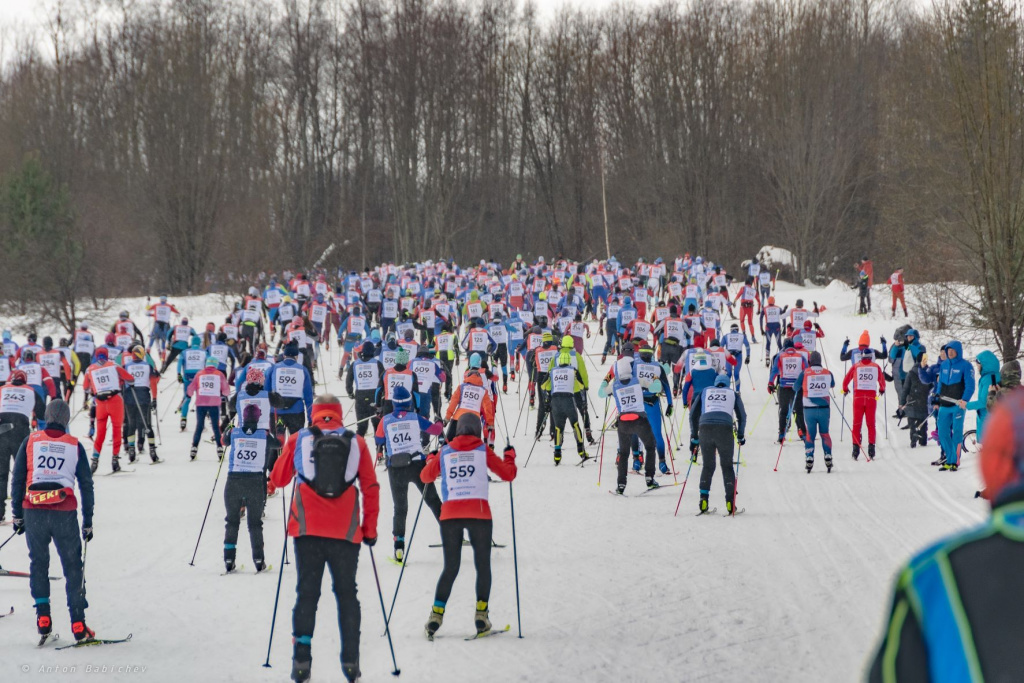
331,453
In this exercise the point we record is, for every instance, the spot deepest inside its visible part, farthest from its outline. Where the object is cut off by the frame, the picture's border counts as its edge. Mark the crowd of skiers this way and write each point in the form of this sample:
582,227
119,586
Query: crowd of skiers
403,333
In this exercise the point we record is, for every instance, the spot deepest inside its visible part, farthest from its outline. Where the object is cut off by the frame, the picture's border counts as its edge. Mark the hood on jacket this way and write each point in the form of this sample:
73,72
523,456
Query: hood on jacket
1009,374
956,346
989,364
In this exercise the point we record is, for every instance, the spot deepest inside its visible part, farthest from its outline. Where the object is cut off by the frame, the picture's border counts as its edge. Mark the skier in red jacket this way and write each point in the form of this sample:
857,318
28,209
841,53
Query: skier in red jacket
463,463
327,530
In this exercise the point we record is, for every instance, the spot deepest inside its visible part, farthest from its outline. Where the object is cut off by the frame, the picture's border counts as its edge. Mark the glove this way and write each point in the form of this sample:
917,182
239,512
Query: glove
351,397
509,452
668,412
771,388
432,453
845,392
19,525
846,342
87,534
888,377
741,441
181,380
370,540
271,489
883,339
747,361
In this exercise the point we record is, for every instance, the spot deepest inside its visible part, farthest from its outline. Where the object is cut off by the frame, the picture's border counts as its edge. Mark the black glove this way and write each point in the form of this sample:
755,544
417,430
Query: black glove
351,397
181,380
370,541
888,377
741,441
509,451
883,339
19,525
771,388
668,412
746,361
87,534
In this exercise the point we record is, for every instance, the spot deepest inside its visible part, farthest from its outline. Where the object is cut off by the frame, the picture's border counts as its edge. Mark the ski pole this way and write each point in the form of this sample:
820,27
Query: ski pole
515,558
736,478
751,376
782,442
387,627
600,450
685,479
671,457
85,552
885,415
206,514
9,538
842,414
405,557
277,595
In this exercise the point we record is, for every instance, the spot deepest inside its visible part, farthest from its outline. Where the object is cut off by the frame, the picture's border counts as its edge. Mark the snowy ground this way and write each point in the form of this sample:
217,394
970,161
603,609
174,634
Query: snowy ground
612,589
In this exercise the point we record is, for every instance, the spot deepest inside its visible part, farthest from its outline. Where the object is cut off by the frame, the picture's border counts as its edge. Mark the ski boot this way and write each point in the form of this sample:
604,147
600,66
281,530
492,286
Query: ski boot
604,358
558,456
590,437
94,463
44,625
300,670
115,464
152,453
483,623
856,451
540,433
703,506
663,467
636,463
730,507
380,457
940,462
828,463
193,452
399,549
260,564
92,429
504,387
753,339
434,621
871,451
809,463
651,483
131,453
220,452
184,424
512,374
620,489
82,632
350,671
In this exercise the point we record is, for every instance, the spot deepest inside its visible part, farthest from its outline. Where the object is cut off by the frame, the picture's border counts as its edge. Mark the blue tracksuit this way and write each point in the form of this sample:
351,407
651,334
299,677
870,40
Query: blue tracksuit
955,383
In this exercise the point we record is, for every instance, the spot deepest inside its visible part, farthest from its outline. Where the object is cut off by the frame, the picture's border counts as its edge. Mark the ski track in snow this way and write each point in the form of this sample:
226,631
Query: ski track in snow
796,589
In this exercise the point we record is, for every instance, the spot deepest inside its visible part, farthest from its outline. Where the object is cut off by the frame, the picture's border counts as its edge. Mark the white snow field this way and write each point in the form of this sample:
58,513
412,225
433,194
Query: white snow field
613,589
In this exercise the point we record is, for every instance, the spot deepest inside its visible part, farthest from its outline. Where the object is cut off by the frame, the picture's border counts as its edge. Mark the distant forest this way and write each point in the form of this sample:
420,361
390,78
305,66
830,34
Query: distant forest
179,141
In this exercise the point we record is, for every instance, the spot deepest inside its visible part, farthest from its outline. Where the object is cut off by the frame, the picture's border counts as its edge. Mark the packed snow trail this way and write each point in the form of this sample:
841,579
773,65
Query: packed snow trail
612,589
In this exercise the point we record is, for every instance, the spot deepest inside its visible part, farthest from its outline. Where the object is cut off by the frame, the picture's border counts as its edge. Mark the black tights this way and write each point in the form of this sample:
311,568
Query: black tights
451,541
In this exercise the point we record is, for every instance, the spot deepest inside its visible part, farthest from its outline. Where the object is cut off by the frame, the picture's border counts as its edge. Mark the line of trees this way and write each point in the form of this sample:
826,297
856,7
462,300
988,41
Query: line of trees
205,136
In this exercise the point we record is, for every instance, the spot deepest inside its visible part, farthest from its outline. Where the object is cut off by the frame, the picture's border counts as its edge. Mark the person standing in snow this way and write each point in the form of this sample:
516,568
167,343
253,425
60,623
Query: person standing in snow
868,385
896,285
988,377
956,613
955,387
812,391
463,463
915,395
253,452
711,418
327,527
44,506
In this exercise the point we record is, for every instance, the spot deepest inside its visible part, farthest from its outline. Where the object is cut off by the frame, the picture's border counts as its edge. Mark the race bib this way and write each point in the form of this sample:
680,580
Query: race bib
209,386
